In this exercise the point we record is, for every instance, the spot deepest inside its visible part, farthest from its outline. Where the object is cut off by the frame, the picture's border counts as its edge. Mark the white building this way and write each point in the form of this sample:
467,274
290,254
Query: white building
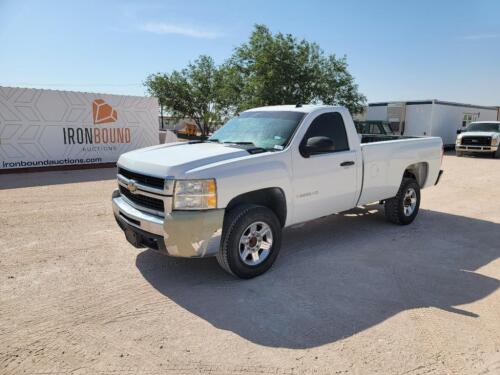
430,117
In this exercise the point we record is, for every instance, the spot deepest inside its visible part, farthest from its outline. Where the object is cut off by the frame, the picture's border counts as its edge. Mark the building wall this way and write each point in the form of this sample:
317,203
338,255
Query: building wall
446,120
42,128
436,119
377,113
361,116
418,120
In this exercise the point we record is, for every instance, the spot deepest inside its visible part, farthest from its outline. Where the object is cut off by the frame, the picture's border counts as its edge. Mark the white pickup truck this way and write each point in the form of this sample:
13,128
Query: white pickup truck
481,137
266,169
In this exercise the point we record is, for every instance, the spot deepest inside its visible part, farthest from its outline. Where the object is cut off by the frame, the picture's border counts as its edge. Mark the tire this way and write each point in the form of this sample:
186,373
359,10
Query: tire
403,208
459,154
248,230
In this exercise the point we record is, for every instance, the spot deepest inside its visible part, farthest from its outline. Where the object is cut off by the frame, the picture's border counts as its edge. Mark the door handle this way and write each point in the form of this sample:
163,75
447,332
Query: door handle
346,163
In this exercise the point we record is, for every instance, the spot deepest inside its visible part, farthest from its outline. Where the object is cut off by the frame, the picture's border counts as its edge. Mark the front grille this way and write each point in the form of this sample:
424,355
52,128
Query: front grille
476,141
156,182
143,200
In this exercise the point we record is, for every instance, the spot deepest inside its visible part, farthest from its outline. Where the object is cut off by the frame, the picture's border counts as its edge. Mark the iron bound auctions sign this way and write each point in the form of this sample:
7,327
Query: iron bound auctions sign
41,128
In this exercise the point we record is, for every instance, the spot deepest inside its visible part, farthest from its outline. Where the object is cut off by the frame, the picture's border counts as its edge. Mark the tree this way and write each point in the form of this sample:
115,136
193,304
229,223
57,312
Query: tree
279,69
192,93
267,70
156,85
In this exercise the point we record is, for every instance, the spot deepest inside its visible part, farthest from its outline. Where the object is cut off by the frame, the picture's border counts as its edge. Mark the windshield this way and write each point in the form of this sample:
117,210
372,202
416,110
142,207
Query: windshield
270,130
483,127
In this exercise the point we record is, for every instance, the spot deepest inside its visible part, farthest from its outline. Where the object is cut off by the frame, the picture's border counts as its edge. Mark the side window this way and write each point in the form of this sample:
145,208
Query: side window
329,125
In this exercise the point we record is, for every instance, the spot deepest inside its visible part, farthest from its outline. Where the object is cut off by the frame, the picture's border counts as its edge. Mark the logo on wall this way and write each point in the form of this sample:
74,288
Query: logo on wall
103,113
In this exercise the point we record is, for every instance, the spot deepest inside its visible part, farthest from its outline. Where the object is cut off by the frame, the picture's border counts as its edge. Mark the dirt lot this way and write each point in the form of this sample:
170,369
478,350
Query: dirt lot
349,294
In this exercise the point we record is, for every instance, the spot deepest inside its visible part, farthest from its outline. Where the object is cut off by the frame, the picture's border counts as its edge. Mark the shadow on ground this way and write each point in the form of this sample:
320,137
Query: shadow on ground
338,276
22,180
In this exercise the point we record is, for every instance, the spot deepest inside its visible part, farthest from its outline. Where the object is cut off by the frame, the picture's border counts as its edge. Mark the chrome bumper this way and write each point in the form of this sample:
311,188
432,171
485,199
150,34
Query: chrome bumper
181,233
476,148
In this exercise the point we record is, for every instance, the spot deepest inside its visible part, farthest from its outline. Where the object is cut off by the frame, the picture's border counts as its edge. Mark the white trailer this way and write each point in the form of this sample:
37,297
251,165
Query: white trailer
430,117
50,128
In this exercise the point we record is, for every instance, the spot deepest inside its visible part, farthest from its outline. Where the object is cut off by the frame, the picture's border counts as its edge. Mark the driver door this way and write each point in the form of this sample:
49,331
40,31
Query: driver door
325,182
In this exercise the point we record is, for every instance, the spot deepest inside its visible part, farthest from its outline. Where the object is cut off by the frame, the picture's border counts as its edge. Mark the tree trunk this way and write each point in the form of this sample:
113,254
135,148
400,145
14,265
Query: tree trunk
201,127
161,116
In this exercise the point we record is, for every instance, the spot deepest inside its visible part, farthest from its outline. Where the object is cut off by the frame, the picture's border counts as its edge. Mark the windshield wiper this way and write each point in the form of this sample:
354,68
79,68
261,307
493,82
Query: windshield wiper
213,140
241,143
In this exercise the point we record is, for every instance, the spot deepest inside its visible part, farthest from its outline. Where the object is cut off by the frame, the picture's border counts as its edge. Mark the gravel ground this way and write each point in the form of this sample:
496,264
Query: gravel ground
349,294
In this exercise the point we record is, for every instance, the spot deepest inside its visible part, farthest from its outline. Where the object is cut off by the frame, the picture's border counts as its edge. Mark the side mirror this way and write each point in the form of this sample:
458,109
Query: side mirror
317,145
459,131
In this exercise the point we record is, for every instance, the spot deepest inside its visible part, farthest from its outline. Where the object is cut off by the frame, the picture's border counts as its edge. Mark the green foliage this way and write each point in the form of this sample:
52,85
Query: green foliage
192,92
279,69
267,70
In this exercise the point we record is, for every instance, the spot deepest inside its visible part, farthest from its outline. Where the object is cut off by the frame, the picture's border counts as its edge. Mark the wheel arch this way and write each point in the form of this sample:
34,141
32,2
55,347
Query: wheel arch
417,171
272,198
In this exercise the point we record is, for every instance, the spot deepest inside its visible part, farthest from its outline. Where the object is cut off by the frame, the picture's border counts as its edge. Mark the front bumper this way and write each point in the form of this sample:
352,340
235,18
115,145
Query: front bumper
463,148
180,233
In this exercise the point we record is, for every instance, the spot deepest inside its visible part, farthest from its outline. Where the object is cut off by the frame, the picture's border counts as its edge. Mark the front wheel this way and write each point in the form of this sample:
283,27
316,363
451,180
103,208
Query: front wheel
459,153
251,241
403,208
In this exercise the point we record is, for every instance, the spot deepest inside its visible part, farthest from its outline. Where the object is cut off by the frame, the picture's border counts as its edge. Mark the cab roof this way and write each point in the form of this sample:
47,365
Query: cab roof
304,108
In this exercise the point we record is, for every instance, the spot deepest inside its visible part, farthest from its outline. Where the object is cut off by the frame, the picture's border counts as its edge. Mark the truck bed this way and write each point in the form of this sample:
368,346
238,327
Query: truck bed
372,138
385,159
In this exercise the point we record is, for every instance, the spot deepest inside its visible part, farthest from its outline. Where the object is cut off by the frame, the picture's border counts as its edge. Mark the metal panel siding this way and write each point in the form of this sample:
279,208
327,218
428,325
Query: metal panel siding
377,113
418,120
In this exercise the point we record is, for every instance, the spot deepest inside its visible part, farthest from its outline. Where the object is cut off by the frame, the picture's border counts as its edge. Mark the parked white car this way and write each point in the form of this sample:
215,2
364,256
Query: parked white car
481,137
266,169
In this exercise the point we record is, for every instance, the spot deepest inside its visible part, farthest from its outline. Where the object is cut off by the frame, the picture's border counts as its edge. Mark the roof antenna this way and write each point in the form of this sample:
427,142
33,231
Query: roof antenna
298,105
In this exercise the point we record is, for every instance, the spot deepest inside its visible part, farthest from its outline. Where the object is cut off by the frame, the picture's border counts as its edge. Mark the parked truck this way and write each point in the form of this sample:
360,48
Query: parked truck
266,169
481,137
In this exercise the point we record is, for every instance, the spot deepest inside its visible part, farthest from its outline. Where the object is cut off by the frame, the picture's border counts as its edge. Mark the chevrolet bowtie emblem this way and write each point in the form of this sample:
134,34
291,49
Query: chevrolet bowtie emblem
131,186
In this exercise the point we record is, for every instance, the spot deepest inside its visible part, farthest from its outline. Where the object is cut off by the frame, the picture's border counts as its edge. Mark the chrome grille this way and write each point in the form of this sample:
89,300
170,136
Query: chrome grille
476,141
155,182
143,200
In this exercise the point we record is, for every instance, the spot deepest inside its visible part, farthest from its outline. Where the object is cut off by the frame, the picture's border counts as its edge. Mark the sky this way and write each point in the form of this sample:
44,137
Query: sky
396,50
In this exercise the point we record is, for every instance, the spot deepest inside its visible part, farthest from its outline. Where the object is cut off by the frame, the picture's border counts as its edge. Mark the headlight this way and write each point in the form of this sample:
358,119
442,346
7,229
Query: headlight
459,139
494,141
195,194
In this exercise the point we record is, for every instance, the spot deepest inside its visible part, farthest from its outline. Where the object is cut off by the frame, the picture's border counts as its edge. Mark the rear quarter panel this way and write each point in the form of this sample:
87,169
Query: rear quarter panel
385,163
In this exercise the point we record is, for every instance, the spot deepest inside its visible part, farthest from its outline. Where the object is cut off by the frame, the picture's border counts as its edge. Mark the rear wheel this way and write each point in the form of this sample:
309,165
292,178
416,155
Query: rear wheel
251,241
403,208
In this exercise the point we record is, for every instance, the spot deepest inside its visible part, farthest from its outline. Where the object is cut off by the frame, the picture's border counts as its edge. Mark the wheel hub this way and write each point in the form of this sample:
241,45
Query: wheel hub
255,243
252,242
409,201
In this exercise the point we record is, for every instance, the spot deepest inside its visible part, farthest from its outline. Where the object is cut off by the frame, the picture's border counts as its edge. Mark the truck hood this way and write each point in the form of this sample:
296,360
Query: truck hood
480,134
178,158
